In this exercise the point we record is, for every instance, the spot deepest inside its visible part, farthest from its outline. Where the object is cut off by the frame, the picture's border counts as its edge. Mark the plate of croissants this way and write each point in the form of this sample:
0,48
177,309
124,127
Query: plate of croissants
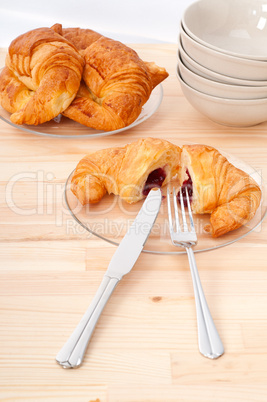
227,195
73,82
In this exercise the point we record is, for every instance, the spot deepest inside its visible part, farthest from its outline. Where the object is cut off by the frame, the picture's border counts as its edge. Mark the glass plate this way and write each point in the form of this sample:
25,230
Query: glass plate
65,128
111,218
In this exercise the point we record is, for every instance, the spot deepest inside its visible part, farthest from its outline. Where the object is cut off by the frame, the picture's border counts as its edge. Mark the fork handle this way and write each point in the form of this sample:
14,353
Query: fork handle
210,344
71,354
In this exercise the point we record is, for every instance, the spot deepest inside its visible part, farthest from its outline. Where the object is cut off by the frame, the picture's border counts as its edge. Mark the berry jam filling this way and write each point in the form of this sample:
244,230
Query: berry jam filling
155,179
189,185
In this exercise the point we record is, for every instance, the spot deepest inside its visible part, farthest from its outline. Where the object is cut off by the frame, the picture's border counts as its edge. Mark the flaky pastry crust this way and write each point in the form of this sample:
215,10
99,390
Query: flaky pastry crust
229,194
124,170
94,80
47,69
116,82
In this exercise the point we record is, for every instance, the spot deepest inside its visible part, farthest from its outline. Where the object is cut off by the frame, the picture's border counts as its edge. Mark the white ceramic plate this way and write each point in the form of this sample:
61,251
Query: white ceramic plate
111,217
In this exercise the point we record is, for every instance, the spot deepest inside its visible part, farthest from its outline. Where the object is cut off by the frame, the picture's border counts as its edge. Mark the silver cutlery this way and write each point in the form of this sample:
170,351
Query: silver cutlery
72,353
210,344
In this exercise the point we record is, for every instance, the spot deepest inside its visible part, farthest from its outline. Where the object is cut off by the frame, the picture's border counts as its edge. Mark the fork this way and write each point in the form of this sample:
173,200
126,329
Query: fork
210,344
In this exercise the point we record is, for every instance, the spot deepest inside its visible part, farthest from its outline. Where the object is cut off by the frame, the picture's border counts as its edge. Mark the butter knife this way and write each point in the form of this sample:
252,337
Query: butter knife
123,260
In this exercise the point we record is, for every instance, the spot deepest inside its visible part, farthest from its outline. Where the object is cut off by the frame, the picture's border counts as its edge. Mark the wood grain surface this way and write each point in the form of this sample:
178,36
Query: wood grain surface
144,348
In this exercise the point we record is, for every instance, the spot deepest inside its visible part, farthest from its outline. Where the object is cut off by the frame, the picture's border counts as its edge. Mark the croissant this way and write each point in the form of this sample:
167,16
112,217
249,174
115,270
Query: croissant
43,76
214,185
13,93
81,38
218,188
116,82
129,171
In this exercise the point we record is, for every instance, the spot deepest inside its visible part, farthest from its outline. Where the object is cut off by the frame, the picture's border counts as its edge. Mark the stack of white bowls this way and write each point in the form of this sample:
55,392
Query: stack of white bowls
222,60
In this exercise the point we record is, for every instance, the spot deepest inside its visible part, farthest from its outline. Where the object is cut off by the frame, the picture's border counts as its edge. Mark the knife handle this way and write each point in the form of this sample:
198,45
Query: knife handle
71,355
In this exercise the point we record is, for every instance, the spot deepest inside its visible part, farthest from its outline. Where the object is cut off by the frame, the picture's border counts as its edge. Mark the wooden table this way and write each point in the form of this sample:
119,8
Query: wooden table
144,348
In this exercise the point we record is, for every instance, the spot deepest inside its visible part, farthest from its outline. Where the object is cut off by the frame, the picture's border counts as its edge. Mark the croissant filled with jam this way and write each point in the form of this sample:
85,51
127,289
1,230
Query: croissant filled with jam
215,186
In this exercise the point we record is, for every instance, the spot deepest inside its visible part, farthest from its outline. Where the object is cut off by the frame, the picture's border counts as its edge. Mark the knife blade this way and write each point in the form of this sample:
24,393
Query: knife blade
72,353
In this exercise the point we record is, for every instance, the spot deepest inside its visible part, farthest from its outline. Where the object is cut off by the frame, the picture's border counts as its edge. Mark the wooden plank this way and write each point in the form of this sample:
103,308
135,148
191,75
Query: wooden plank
219,392
231,368
55,393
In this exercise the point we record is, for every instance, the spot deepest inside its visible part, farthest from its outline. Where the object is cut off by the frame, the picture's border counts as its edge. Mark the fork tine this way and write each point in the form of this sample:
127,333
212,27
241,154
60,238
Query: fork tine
177,223
183,212
189,211
169,211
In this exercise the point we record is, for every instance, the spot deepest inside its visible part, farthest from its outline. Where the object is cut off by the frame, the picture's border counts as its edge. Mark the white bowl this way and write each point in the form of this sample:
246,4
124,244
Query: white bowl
223,63
219,89
236,27
229,112
205,72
